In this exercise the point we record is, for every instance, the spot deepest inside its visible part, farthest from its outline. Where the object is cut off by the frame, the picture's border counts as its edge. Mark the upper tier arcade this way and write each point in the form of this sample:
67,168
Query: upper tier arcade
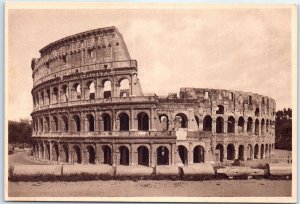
98,49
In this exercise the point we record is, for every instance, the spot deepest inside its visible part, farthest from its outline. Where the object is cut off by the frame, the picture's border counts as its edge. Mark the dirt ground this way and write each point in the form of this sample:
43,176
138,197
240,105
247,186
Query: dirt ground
149,188
113,188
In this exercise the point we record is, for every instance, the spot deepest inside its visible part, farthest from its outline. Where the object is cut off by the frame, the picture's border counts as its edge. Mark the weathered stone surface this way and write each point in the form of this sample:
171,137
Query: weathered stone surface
167,170
99,170
37,170
198,169
280,169
139,170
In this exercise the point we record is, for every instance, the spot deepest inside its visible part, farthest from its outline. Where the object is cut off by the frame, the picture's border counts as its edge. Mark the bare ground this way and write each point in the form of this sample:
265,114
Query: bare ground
148,188
114,188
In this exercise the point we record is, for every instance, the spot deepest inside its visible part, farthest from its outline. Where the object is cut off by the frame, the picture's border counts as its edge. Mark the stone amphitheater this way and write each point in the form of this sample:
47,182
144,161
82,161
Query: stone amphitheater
89,108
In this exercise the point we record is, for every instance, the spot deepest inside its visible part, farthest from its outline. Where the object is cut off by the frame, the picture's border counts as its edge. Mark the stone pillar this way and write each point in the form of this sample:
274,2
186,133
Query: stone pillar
113,119
115,155
100,155
50,152
132,121
236,151
83,154
214,125
259,128
200,124
173,154
82,121
152,124
225,152
70,154
132,154
190,154
152,156
225,123
245,126
236,126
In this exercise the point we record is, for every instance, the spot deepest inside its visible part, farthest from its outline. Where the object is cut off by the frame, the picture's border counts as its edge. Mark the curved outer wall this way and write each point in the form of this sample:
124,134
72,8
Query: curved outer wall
83,112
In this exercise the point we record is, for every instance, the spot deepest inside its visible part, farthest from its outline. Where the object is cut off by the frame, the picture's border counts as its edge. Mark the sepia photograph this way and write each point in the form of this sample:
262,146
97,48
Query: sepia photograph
150,102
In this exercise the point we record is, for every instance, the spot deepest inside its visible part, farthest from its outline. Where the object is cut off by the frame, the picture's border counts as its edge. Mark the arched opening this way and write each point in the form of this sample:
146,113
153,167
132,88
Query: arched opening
107,89
124,122
91,155
267,125
220,152
164,121
76,123
143,156
65,124
262,151
266,150
48,96
77,154
124,88
220,125
198,154
65,154
124,155
230,152
256,149
55,95
47,125
55,153
41,125
269,150
91,90
65,94
207,123
256,127
197,121
42,98
241,155
47,156
249,151
42,152
77,89
143,121
183,154
106,122
263,126
257,112
220,109
249,125
107,155
162,155
180,121
55,124
231,125
90,122
241,123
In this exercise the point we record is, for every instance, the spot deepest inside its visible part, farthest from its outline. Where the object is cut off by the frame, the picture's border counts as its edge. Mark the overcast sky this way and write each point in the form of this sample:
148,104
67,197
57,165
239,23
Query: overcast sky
239,49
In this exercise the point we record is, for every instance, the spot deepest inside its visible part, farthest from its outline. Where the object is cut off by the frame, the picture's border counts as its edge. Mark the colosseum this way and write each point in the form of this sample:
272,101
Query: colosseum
89,108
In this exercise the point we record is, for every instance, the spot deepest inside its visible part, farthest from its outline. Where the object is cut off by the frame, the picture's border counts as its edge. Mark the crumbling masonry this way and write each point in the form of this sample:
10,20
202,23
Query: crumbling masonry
89,108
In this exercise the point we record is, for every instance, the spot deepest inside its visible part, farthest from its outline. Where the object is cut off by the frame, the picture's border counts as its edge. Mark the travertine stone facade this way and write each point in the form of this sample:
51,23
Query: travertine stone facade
89,108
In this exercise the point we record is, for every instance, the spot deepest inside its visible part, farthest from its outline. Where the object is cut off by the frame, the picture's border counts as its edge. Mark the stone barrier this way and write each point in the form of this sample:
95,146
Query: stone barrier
97,170
36,170
235,171
279,169
167,170
131,171
198,170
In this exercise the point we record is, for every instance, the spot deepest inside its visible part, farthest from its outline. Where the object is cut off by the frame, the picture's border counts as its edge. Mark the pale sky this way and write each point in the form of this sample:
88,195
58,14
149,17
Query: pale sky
238,49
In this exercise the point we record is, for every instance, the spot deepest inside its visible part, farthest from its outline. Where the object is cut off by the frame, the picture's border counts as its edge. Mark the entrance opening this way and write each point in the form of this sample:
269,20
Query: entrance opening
220,125
143,121
241,123
197,121
124,155
91,154
262,151
207,123
107,155
263,126
77,154
143,156
65,125
198,154
65,154
220,149
249,125
55,124
230,152
124,122
106,122
181,121
250,151
231,125
164,121
91,90
162,155
220,109
124,88
241,153
256,127
256,149
91,122
77,123
183,154
55,153
107,89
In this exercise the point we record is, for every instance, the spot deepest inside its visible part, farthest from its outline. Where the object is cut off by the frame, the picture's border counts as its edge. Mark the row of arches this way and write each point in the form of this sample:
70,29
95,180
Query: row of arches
76,91
75,154
242,152
75,123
